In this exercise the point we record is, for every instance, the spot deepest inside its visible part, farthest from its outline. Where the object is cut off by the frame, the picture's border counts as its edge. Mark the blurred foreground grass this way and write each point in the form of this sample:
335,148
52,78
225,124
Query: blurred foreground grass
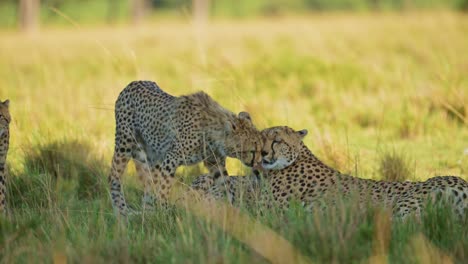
373,90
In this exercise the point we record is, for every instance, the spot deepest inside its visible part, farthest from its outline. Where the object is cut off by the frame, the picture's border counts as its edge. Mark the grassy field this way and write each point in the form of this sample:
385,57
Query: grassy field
383,96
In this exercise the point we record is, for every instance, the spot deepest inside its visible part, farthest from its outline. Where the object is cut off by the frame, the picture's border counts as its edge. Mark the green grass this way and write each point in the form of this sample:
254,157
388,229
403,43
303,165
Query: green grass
363,85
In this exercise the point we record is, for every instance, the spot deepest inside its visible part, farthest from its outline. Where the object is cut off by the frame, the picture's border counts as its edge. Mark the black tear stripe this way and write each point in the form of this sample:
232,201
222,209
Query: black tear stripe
256,177
273,150
253,160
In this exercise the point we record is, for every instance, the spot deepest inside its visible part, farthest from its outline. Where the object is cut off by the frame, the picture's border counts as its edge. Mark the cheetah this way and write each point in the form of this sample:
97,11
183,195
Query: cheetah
161,132
292,172
4,143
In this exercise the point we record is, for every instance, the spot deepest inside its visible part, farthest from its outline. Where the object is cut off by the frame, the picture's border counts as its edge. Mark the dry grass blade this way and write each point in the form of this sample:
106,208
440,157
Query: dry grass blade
382,237
251,232
425,252
458,113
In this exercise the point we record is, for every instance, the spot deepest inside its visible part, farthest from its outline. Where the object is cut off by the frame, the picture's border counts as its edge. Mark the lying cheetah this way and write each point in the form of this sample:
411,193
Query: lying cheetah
4,142
293,172
161,132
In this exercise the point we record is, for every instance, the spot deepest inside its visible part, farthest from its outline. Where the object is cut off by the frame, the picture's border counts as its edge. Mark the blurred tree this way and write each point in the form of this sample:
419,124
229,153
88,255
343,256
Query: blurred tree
462,5
28,14
112,10
170,3
200,9
139,9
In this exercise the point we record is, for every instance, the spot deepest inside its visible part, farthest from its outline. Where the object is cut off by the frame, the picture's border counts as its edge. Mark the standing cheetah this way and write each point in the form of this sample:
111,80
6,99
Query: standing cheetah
293,172
4,143
161,132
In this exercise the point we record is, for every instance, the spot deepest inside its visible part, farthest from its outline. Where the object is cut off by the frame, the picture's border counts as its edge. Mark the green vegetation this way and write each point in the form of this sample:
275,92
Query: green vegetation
394,167
58,12
364,85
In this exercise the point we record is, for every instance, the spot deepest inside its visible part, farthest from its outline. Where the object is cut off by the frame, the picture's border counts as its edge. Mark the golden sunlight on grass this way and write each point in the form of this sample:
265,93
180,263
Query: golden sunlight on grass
382,95
246,229
363,82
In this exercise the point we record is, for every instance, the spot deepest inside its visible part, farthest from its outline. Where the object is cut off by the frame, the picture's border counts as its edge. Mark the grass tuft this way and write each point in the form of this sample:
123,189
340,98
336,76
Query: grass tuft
394,166
65,160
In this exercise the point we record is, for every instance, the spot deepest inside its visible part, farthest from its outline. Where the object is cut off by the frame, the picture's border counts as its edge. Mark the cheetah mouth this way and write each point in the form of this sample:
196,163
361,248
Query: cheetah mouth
267,163
275,164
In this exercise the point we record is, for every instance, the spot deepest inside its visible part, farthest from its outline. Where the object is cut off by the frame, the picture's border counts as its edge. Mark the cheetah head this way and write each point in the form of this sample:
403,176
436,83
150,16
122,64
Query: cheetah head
4,116
281,147
244,141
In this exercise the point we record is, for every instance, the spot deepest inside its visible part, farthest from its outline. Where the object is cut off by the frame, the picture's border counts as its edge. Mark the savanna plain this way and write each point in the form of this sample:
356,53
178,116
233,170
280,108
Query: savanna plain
383,97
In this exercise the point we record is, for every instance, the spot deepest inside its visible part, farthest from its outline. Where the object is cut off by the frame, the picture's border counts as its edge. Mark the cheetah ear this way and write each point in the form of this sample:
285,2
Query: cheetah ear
245,116
302,133
230,126
6,103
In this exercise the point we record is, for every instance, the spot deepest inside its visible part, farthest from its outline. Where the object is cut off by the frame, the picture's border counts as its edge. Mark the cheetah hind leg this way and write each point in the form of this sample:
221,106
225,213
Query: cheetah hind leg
145,176
161,184
119,164
216,167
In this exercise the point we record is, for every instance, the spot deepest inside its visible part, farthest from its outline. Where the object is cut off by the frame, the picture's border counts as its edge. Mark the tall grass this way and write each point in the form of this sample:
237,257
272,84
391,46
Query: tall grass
363,85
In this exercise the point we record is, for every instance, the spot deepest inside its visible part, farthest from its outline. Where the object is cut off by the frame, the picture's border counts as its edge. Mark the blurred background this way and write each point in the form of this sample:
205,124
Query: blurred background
29,13
381,84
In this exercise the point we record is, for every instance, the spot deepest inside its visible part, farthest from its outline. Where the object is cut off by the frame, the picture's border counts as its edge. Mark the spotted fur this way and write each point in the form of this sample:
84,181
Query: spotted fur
161,132
294,173
4,144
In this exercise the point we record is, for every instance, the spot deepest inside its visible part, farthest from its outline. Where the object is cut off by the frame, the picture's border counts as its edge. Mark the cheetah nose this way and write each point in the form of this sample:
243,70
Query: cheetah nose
257,167
264,153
